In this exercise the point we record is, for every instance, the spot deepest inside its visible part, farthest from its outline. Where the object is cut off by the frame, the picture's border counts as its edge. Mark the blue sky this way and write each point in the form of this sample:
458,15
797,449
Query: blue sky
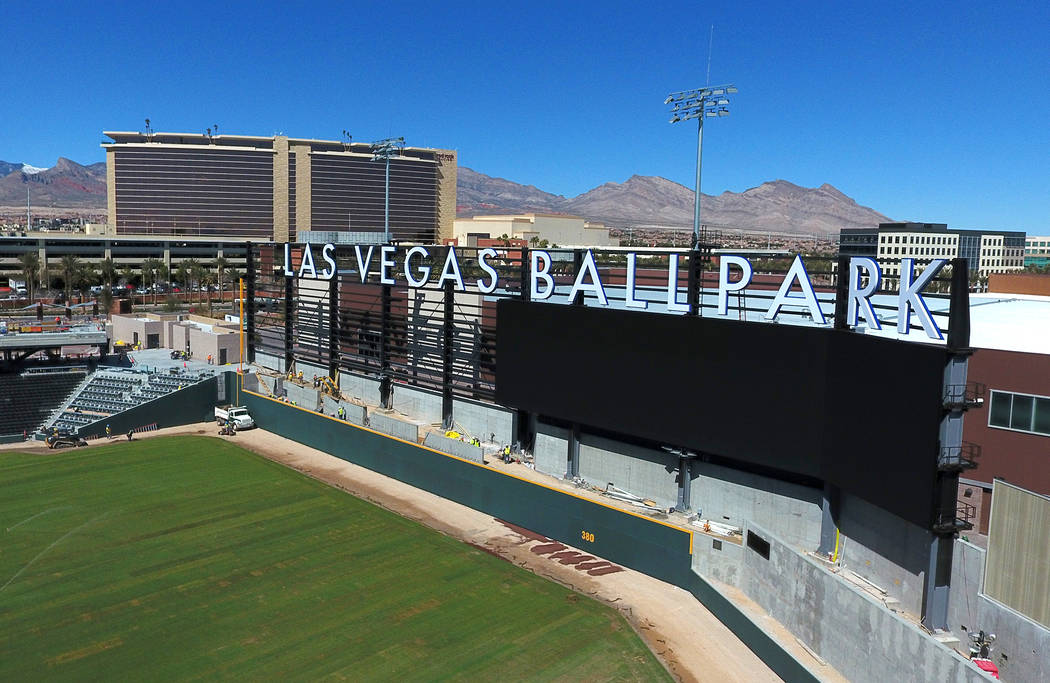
925,111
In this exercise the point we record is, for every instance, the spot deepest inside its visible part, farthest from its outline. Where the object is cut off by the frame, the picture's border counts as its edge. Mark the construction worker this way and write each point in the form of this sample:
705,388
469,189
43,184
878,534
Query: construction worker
109,432
130,432
341,413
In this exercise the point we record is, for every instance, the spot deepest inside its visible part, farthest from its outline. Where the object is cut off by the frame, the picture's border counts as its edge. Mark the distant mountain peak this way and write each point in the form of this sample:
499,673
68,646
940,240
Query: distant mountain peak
777,205
32,170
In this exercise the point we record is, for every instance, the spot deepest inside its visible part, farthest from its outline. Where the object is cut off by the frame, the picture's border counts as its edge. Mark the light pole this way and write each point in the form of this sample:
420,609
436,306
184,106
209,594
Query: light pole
699,104
384,149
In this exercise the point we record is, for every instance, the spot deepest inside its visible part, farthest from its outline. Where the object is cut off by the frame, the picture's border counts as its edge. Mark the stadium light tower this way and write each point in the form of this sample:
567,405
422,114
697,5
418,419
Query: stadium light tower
384,149
699,104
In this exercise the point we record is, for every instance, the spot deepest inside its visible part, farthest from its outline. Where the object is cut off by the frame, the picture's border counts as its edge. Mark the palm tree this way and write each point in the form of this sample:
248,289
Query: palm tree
205,281
149,276
197,272
128,273
30,269
163,272
86,276
108,270
70,266
182,274
221,264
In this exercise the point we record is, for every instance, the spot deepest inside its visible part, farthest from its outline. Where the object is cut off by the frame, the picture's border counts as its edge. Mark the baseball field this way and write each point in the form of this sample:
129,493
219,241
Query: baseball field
188,557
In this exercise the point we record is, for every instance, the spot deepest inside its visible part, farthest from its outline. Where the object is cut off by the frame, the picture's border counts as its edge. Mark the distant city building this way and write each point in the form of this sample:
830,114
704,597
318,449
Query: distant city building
1037,251
271,188
985,251
534,228
128,251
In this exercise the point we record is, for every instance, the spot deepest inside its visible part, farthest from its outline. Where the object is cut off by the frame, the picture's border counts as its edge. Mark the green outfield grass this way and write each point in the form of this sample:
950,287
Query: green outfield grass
189,557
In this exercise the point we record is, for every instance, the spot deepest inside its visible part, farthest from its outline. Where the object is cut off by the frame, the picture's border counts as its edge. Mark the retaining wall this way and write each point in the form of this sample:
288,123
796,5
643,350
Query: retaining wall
456,447
856,634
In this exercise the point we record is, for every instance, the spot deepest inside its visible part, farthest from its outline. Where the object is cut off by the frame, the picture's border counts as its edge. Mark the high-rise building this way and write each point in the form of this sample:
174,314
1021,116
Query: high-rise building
272,188
985,251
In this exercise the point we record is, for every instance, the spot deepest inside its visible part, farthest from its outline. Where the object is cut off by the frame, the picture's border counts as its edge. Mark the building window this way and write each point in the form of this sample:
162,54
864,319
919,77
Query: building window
1020,412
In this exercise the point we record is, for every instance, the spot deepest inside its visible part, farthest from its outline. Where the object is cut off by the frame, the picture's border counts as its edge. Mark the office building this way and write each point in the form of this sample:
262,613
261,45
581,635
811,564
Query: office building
986,251
272,188
1037,251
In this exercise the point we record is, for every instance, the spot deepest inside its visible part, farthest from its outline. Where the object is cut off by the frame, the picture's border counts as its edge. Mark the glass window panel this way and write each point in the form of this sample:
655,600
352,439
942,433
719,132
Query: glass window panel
1042,416
1021,415
1000,410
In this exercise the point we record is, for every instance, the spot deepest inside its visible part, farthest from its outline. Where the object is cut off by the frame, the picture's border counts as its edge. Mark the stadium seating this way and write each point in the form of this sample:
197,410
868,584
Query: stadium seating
28,398
113,391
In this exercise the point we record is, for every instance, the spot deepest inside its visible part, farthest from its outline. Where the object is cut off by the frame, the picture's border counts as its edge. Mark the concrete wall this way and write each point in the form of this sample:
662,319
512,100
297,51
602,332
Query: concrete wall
722,563
967,575
735,497
858,636
417,404
641,471
1022,646
484,420
455,447
884,549
305,397
310,369
550,454
362,388
267,360
394,427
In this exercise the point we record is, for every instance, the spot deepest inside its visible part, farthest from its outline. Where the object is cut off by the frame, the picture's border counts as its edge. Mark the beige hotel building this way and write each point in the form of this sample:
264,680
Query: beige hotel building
273,188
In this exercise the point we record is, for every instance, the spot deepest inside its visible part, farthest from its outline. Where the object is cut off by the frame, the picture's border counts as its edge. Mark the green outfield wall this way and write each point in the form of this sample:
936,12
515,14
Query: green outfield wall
660,550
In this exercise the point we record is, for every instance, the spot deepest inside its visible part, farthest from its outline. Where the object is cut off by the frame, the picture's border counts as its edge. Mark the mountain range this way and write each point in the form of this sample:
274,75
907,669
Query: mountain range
67,184
775,206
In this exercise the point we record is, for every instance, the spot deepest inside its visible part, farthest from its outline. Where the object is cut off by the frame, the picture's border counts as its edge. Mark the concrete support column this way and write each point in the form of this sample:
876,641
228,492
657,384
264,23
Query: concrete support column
333,328
684,483
386,397
572,461
829,530
289,309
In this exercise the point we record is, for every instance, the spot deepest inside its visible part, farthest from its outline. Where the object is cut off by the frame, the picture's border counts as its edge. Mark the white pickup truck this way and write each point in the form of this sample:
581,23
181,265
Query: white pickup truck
235,415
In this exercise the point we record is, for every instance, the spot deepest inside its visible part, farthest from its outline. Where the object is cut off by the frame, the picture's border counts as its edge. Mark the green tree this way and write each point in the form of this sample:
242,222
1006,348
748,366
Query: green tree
69,267
108,271
182,274
150,268
197,272
30,263
85,277
128,274
164,273
221,264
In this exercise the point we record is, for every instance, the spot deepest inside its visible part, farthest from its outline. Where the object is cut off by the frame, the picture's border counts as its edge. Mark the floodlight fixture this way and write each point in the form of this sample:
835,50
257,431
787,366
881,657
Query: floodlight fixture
383,150
701,103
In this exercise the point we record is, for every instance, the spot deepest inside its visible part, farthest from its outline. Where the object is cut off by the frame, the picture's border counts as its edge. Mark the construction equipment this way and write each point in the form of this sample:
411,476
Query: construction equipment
329,387
65,441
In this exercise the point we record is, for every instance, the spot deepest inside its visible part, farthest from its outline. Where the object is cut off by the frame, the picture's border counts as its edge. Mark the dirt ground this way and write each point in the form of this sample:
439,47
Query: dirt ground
692,643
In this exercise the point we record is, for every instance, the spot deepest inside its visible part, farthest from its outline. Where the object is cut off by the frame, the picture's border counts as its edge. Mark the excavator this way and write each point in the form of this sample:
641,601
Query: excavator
329,387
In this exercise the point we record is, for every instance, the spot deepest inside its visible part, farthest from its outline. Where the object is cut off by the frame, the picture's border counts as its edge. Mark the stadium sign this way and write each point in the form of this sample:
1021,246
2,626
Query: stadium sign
865,276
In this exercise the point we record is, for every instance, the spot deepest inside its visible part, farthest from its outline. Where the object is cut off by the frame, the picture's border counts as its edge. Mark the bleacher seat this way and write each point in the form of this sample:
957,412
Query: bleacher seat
27,399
